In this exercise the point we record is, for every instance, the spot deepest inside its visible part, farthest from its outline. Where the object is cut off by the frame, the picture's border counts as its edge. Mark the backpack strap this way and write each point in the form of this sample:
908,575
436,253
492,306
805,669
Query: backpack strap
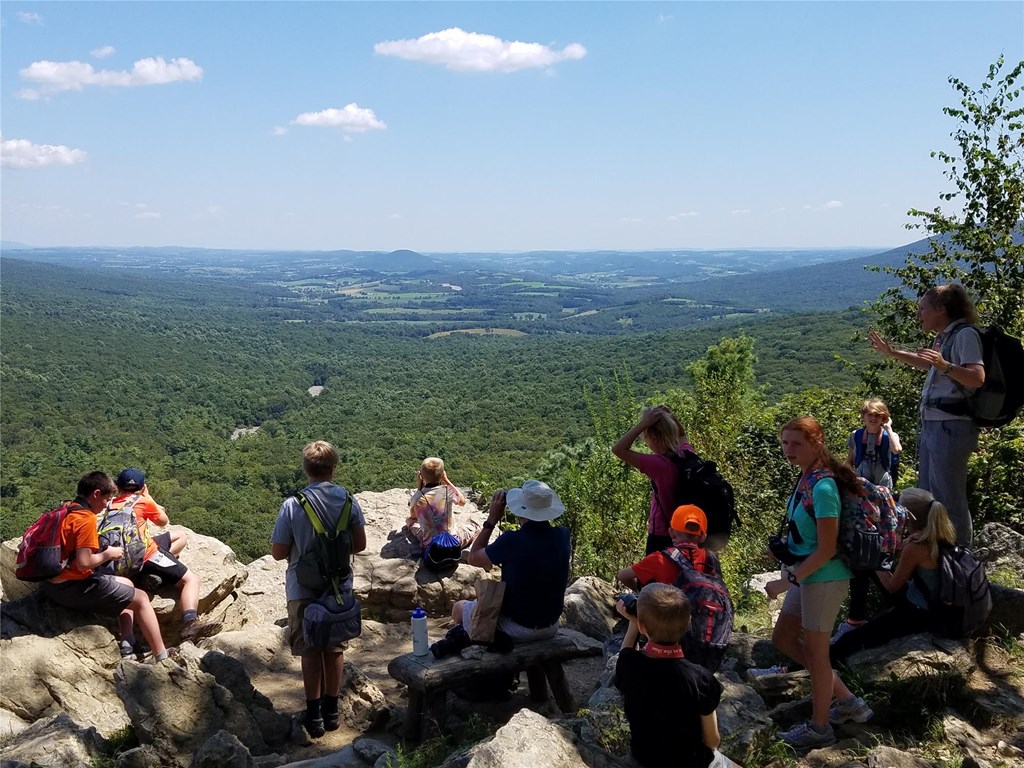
316,515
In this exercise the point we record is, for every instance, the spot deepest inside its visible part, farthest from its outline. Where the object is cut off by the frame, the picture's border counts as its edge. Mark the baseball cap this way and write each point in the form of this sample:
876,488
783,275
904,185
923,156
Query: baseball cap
130,480
690,518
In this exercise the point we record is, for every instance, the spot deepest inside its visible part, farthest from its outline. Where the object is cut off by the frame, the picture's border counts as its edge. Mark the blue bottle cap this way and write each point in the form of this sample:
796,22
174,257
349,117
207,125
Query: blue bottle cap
419,613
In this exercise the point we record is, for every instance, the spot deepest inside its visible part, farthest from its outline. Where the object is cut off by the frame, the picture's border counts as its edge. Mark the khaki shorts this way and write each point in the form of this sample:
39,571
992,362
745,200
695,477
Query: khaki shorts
296,610
817,604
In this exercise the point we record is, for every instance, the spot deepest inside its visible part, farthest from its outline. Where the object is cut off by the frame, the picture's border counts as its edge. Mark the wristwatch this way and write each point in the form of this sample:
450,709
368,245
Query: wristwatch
949,367
792,578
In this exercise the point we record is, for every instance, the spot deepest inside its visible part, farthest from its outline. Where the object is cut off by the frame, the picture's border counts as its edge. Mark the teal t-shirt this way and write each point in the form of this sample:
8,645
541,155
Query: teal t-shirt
826,501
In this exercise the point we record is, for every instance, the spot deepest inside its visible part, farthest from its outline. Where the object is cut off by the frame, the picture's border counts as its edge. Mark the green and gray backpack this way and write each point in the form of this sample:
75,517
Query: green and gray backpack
327,563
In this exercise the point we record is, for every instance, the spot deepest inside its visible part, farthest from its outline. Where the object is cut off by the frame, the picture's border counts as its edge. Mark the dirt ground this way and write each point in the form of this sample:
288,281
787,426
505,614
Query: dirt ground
371,653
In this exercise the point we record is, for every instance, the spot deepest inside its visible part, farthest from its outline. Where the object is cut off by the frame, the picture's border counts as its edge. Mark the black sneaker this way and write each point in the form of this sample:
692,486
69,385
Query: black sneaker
314,726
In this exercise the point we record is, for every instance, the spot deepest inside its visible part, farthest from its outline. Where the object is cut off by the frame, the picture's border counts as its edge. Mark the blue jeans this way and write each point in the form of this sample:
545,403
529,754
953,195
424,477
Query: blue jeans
944,447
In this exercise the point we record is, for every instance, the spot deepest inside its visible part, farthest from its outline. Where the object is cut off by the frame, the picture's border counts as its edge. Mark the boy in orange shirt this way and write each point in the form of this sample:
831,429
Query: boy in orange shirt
161,567
80,588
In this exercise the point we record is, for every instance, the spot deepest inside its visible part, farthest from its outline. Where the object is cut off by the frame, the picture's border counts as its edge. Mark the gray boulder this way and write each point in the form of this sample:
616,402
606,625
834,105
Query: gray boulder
13,588
1007,609
889,757
528,740
590,607
58,661
743,719
222,750
55,742
176,707
347,757
1000,547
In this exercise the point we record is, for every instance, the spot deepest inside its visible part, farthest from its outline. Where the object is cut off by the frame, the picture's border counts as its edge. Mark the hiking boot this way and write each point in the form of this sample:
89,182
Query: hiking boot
314,726
126,648
197,630
852,710
332,717
845,627
804,738
755,673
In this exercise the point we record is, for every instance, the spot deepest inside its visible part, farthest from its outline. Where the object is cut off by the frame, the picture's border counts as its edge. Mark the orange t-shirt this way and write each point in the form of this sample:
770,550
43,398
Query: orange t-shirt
145,509
77,531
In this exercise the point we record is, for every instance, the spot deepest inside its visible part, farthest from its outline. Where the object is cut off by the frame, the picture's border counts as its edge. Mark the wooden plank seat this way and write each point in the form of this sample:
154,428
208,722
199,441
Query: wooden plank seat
430,679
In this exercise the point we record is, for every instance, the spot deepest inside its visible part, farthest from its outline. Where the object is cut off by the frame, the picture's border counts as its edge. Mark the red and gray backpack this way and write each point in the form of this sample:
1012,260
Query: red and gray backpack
711,610
39,554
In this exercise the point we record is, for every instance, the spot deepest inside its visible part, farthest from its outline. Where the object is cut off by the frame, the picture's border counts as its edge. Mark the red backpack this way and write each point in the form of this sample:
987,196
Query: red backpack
39,554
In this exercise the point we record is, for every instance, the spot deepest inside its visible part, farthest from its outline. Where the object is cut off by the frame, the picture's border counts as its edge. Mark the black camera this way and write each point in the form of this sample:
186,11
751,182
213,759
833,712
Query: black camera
452,643
779,547
629,603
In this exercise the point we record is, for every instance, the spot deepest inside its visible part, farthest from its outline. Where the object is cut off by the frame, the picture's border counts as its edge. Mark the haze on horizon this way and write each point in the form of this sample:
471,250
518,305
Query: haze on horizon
487,127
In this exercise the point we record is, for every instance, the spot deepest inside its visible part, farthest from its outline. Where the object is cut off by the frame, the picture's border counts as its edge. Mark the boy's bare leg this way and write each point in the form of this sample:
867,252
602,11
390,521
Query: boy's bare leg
189,586
145,617
334,672
179,540
312,674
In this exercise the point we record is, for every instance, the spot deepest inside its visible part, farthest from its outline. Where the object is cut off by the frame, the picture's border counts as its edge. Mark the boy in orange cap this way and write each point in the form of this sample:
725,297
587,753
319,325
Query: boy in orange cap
688,530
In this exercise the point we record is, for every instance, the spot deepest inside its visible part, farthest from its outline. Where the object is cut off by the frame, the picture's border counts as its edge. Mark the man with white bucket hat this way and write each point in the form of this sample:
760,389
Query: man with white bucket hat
534,562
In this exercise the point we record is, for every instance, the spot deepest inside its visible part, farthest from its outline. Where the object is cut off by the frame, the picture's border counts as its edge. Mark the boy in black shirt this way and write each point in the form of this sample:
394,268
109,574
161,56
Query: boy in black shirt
670,702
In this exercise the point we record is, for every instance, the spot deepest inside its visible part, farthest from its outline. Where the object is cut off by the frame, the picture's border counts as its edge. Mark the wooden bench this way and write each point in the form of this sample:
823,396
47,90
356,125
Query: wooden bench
430,679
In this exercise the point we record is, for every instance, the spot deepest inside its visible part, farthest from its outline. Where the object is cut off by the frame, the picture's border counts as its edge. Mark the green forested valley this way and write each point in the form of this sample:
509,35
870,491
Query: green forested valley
110,368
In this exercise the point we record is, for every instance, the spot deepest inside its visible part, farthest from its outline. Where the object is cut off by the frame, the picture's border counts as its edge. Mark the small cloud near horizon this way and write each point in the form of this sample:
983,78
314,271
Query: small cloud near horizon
30,17
147,215
685,215
630,220
829,206
350,119
740,211
464,51
103,52
58,76
22,153
279,130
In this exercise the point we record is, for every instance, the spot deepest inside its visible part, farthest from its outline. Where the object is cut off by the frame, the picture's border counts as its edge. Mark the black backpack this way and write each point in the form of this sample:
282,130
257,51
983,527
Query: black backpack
999,400
328,561
711,610
444,551
699,482
965,596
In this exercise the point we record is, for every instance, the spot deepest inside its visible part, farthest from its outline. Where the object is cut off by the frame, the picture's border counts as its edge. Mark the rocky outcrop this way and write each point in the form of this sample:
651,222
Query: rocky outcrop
55,742
388,578
222,750
589,607
176,707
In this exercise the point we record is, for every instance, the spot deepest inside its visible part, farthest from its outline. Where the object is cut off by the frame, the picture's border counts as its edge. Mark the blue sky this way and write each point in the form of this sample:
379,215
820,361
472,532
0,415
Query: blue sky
496,126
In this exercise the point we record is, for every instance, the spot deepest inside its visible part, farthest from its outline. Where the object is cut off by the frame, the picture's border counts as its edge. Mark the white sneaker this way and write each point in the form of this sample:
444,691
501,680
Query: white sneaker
843,629
755,673
804,738
852,710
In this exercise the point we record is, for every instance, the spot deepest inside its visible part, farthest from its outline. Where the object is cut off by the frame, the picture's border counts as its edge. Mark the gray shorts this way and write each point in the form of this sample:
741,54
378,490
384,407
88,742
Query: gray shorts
517,632
817,604
99,593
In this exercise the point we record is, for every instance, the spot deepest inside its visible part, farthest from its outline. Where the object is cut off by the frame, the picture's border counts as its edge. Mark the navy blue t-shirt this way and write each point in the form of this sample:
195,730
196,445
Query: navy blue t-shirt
534,564
664,700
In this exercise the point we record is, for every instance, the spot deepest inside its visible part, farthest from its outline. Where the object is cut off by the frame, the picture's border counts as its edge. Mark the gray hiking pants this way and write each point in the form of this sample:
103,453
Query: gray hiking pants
944,446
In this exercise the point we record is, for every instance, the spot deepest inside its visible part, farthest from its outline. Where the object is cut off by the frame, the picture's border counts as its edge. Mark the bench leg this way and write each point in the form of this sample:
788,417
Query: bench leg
559,686
413,717
426,716
538,685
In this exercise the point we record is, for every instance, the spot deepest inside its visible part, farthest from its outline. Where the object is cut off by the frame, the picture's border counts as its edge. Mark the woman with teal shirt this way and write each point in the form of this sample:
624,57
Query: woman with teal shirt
817,583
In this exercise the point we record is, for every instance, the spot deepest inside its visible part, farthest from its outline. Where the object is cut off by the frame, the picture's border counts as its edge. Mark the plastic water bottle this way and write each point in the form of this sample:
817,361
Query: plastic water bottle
420,646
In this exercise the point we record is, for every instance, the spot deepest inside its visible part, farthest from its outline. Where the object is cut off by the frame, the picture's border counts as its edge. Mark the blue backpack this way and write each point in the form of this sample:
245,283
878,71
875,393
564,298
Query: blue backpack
443,551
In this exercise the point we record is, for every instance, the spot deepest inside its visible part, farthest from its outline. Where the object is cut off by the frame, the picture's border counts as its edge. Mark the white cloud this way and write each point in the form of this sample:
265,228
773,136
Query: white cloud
29,17
57,76
663,17
629,220
395,216
147,215
740,211
686,215
473,52
22,153
829,206
279,130
103,52
351,119
215,210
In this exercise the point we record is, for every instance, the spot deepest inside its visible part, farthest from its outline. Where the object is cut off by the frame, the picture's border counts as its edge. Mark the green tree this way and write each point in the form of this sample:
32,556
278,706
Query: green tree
978,244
